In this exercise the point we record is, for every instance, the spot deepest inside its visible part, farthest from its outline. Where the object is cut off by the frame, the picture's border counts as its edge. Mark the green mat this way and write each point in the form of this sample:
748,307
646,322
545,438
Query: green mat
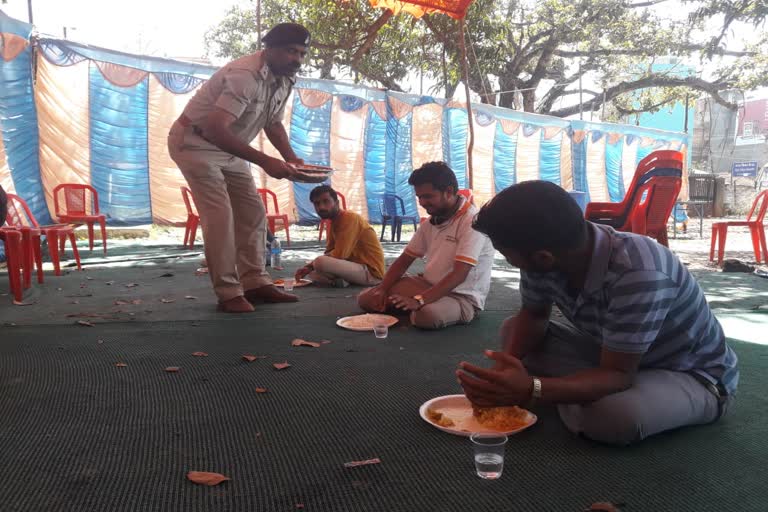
80,434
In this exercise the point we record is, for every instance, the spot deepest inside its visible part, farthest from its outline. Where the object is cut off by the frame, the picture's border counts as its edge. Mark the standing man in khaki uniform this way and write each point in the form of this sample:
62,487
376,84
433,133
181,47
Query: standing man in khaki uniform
210,144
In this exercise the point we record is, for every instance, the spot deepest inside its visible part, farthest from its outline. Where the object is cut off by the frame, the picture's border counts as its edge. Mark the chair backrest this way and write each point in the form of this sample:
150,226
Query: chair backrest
701,187
189,201
263,192
390,203
655,200
76,199
19,214
664,158
761,209
657,164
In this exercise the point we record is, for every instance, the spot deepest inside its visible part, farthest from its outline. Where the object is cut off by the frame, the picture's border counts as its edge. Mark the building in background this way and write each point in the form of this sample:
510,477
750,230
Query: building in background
722,136
669,117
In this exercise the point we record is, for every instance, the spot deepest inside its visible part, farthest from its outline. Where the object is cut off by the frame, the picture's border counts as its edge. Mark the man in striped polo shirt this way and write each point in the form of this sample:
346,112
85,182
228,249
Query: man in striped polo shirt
641,353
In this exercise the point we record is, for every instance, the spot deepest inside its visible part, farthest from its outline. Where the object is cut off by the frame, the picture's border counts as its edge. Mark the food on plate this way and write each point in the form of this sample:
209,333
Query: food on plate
439,418
366,321
501,418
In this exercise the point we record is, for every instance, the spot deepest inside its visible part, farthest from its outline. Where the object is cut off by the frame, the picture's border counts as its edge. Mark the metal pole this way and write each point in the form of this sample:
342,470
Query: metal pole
602,116
581,109
258,24
65,32
29,11
685,125
464,65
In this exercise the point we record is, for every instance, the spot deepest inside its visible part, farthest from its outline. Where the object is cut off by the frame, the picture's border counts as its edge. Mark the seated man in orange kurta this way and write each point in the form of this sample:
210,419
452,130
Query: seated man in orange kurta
353,254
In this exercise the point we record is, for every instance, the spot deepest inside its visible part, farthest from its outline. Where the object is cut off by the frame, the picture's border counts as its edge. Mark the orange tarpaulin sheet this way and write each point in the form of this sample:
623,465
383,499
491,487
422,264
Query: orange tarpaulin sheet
418,8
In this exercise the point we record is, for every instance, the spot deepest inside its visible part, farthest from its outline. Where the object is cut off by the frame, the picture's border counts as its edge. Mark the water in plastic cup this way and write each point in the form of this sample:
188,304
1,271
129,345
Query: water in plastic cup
489,454
381,330
288,284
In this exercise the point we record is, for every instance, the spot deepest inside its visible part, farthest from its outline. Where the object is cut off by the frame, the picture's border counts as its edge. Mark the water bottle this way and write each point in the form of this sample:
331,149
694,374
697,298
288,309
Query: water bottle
275,250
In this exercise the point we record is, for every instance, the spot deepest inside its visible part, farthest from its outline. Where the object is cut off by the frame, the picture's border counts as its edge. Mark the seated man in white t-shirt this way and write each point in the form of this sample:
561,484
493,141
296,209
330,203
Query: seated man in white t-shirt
457,275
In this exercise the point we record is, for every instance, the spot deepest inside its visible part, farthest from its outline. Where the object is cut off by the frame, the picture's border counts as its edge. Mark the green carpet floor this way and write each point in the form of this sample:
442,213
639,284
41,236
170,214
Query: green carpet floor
78,433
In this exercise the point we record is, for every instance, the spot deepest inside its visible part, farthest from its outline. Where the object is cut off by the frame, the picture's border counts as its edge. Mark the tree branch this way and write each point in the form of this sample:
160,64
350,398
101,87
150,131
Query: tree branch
603,52
645,4
697,84
370,37
629,111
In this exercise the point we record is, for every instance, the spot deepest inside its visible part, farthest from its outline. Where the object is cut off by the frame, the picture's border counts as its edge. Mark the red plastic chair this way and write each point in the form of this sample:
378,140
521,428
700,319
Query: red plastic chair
325,224
272,218
756,229
76,209
649,200
193,219
13,255
20,217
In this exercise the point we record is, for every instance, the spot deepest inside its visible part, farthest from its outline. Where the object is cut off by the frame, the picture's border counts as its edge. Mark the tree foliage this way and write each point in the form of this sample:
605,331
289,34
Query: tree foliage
530,54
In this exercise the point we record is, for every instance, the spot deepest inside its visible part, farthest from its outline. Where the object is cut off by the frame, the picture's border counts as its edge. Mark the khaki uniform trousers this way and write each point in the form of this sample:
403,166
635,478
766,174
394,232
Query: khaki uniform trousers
232,215
451,309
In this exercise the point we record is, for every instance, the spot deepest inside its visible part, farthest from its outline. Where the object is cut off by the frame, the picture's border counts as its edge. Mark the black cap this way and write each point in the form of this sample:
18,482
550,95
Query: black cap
285,34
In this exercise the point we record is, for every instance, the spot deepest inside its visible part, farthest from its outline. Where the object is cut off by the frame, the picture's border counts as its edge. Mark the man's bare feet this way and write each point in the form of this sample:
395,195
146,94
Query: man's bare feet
269,293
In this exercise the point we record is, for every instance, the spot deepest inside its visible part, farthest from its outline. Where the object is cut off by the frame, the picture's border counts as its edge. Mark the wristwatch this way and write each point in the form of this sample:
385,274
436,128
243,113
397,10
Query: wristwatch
536,391
420,300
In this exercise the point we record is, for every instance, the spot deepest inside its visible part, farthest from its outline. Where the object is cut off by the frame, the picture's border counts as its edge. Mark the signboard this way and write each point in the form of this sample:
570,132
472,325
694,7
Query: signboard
744,170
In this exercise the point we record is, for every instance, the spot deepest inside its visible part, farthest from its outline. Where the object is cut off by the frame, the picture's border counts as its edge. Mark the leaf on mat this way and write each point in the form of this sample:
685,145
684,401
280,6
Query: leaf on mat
356,463
121,365
250,358
110,283
325,342
281,366
100,342
172,369
261,390
167,274
75,302
167,301
299,505
604,506
190,297
22,303
298,342
59,289
136,301
205,478
120,302
132,285
201,271
89,278
200,354
85,323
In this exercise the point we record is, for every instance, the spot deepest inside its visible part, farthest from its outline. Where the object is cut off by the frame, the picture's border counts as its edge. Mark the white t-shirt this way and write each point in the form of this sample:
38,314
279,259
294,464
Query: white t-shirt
454,240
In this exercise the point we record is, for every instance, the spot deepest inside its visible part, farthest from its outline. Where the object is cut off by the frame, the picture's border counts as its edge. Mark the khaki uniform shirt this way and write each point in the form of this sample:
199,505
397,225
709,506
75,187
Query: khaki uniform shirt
247,89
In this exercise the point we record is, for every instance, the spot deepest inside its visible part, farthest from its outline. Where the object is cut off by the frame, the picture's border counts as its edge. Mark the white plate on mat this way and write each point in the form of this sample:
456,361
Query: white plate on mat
280,283
458,409
365,322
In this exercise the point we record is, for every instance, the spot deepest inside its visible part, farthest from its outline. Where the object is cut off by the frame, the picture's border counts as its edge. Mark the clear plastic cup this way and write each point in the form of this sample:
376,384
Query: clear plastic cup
381,330
489,454
288,283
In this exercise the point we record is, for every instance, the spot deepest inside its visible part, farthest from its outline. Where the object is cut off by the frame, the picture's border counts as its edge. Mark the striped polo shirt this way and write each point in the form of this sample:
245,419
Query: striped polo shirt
639,298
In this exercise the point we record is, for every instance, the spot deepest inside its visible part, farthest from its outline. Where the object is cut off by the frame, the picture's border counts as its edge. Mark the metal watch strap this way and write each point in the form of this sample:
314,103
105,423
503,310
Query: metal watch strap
535,391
